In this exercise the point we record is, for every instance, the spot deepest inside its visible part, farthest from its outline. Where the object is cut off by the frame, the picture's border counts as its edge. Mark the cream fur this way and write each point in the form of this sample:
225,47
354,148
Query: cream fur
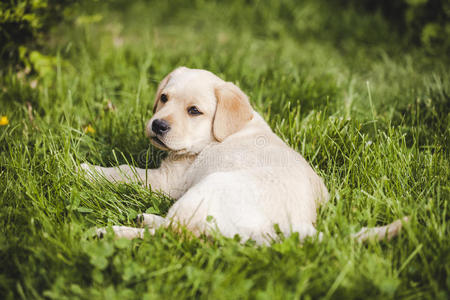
228,171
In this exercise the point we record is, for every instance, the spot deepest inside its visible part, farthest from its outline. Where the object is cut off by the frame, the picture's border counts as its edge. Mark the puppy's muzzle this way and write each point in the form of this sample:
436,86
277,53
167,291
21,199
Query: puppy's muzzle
160,126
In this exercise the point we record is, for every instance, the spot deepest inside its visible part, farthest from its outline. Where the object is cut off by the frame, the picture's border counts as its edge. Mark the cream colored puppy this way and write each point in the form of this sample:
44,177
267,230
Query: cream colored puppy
228,171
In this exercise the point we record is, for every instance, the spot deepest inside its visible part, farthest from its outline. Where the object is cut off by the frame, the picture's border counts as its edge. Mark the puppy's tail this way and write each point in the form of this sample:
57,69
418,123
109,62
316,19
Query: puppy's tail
381,232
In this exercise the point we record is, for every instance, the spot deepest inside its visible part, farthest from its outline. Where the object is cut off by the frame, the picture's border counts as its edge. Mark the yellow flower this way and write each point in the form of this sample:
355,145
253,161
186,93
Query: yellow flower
89,129
4,120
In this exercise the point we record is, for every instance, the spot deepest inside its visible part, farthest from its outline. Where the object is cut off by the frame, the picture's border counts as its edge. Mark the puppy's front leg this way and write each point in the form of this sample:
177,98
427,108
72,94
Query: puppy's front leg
168,178
125,232
122,173
151,221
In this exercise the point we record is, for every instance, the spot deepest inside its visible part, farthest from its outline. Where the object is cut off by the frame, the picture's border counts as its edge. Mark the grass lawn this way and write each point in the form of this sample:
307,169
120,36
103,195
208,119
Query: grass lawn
368,111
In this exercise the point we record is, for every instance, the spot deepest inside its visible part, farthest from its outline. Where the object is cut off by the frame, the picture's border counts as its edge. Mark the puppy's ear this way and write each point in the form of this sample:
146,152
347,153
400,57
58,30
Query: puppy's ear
162,85
233,111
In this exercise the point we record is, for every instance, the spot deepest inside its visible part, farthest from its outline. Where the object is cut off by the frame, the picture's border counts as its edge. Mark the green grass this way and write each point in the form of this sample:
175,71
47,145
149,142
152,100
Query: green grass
368,111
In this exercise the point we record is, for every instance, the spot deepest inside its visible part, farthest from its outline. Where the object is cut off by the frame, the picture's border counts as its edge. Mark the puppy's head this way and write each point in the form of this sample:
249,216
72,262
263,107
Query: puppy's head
194,108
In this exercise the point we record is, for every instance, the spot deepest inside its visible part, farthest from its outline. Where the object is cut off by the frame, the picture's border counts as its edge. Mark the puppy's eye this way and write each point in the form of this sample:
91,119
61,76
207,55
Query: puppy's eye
163,98
193,111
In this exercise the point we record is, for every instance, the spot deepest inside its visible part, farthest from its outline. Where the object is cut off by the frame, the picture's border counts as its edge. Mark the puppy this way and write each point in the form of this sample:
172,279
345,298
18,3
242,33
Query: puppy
228,171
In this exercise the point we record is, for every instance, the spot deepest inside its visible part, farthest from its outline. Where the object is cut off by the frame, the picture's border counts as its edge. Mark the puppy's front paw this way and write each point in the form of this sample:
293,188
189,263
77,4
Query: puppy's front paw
87,170
150,220
100,232
84,167
140,220
122,232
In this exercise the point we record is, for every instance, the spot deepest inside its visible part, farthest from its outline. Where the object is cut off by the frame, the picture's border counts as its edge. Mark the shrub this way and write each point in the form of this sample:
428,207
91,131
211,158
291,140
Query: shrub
425,22
23,24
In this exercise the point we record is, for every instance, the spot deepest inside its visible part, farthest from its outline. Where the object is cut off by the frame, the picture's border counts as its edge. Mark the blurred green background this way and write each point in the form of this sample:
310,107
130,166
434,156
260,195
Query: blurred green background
24,23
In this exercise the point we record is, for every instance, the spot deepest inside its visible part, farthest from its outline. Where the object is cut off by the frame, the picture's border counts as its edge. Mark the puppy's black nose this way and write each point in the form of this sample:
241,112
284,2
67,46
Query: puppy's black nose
160,126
